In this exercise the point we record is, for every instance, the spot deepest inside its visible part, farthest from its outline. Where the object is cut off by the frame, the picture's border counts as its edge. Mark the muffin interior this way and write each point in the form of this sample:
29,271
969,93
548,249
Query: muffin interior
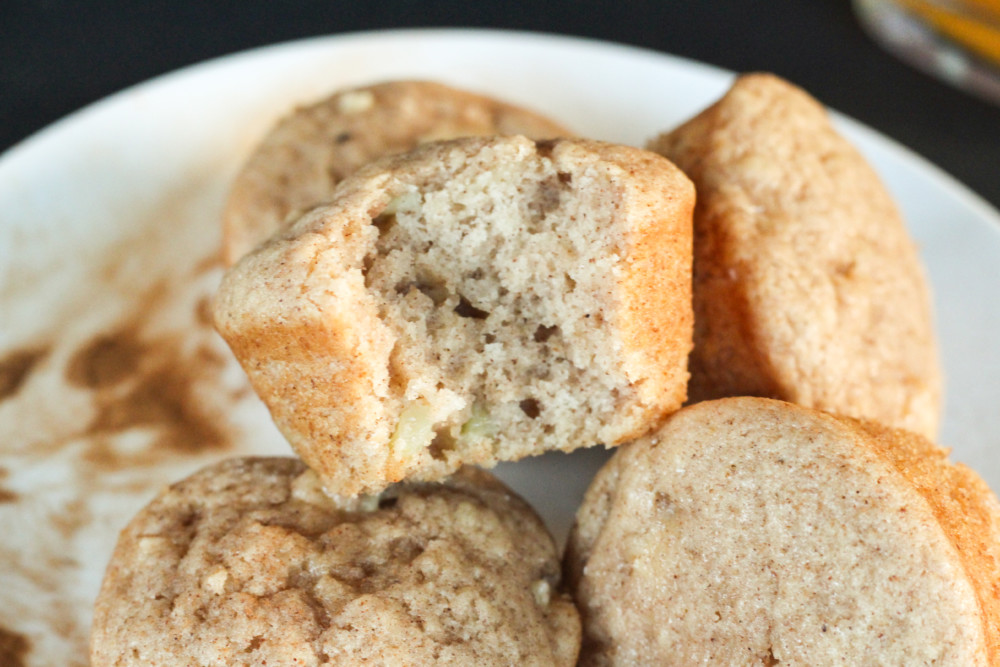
498,283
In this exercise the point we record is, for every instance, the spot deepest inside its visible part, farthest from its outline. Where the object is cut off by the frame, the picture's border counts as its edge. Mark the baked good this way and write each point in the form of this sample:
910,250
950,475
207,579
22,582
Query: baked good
248,562
472,301
807,286
754,531
313,148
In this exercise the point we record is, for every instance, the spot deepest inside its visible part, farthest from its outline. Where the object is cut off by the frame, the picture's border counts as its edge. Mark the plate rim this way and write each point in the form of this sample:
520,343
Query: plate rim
898,151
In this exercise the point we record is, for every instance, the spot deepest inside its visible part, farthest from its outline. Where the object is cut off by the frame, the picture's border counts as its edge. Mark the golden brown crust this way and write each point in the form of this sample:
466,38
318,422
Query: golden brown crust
962,503
247,562
304,354
306,154
655,286
807,286
757,531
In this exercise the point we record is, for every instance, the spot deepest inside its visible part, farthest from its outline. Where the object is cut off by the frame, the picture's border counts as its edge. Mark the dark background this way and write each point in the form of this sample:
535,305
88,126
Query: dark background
57,56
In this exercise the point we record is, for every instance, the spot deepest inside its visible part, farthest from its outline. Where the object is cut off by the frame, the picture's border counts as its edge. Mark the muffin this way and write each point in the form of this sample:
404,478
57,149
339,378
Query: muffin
472,301
248,562
753,531
309,151
807,285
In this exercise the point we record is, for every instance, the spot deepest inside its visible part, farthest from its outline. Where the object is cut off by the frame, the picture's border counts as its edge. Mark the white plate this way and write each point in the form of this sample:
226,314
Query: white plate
108,226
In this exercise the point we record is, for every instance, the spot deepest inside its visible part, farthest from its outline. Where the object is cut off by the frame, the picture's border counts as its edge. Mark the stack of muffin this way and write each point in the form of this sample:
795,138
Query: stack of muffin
424,281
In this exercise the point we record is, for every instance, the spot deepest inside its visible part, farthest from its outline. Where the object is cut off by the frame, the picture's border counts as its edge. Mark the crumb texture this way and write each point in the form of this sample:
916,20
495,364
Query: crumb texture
248,562
470,302
308,152
807,286
756,532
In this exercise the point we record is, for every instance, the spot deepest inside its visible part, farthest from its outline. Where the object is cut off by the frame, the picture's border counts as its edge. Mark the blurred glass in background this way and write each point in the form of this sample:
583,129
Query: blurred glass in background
957,40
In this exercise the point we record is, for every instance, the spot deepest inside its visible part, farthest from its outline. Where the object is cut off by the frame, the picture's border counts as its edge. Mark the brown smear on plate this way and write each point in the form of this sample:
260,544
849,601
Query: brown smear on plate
147,382
15,368
14,648
127,389
104,361
69,518
6,495
204,312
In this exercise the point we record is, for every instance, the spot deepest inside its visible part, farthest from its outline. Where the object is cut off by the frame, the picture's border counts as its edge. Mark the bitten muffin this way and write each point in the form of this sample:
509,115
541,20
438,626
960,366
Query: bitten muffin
313,148
807,286
756,532
248,562
470,302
